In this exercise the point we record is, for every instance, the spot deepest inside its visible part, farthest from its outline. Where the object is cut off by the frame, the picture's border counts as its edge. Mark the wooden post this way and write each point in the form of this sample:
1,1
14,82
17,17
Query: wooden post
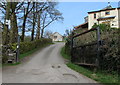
72,57
98,47
18,46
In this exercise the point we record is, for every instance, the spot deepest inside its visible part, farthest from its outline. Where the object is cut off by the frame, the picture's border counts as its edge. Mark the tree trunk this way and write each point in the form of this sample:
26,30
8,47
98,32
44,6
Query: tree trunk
42,31
26,12
23,28
38,28
14,28
32,34
43,26
5,38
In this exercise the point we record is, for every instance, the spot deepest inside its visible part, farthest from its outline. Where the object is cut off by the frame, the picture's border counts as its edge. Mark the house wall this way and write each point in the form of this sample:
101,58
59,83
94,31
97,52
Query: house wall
93,20
59,37
119,17
86,19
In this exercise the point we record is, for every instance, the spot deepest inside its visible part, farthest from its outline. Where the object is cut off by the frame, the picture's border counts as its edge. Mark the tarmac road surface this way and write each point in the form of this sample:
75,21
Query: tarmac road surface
44,66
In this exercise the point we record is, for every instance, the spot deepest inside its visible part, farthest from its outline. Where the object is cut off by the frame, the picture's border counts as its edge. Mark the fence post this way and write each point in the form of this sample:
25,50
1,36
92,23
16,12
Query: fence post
18,46
72,58
98,47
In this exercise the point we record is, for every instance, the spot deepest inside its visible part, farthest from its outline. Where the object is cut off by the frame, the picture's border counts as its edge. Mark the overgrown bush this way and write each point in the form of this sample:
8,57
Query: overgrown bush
102,26
109,52
110,55
25,47
68,46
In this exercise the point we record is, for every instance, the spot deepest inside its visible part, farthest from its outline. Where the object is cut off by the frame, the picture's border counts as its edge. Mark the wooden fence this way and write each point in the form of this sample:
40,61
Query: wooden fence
77,51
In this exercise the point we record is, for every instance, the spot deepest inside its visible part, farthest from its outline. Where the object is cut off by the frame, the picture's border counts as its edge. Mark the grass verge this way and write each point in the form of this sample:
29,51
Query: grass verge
59,41
32,51
64,54
27,54
99,76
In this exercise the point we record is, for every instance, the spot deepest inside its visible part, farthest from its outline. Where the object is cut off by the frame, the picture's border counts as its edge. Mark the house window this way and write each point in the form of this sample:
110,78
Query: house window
95,23
95,16
107,13
112,24
55,37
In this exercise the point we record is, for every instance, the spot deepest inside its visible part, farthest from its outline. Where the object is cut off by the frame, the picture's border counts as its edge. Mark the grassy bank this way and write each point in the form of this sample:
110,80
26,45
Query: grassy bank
34,50
22,56
64,54
101,77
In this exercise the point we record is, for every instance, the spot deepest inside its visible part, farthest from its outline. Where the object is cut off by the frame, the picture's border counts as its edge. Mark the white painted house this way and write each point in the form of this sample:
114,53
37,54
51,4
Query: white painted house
108,15
56,37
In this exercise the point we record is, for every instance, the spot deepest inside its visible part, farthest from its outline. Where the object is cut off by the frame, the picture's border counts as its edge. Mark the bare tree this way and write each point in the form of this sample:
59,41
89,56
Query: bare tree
42,6
50,15
34,16
7,17
13,19
9,10
27,10
48,33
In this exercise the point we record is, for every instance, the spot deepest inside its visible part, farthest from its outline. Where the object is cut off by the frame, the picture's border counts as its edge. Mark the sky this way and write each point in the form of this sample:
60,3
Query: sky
74,13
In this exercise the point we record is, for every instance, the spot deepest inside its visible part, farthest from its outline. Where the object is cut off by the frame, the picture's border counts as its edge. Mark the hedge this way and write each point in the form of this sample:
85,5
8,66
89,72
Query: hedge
25,47
109,52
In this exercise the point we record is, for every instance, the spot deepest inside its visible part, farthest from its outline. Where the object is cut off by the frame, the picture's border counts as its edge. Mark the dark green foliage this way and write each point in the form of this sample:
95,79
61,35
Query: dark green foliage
64,54
25,47
67,46
102,26
100,76
109,52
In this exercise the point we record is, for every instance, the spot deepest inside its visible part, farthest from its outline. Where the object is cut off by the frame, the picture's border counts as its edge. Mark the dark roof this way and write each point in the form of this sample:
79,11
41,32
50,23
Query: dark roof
109,7
102,10
84,25
110,17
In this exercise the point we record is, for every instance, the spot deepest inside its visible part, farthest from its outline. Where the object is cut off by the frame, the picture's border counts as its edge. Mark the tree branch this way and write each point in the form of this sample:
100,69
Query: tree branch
20,6
48,23
2,11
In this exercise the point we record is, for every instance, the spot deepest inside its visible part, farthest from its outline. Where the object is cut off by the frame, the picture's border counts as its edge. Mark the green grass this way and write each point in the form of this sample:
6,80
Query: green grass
59,41
0,65
64,54
10,64
27,54
99,76
34,50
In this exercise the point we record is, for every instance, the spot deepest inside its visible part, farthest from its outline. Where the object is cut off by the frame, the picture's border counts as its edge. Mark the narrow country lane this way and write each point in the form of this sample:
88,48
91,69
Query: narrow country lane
46,66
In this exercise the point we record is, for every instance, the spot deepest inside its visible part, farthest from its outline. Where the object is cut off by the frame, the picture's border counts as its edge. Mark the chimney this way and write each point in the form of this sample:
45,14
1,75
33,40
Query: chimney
119,4
109,4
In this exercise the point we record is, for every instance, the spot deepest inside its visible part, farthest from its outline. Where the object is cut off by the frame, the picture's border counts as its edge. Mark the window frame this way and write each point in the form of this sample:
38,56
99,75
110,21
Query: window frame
94,15
55,37
107,13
